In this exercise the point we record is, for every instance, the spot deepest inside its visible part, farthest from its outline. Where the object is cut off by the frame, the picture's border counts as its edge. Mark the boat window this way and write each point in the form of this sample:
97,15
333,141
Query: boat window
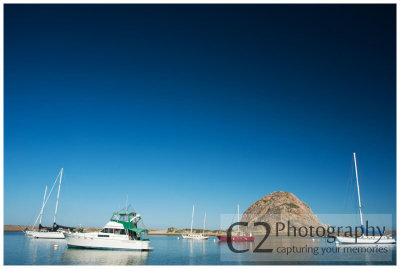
124,218
108,230
123,232
115,217
119,217
117,231
103,235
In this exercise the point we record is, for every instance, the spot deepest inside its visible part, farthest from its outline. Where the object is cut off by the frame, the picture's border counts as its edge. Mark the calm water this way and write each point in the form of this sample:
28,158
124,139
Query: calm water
168,250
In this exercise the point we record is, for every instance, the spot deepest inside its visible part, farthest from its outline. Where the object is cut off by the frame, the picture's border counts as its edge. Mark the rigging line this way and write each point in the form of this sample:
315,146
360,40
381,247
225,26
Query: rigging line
233,218
48,196
352,188
144,225
349,184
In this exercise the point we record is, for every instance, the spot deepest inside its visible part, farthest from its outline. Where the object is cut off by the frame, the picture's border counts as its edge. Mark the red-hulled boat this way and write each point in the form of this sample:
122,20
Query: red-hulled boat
238,236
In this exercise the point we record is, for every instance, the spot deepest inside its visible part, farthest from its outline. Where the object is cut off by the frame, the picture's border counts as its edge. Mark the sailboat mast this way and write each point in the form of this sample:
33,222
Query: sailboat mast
191,225
41,210
238,216
58,195
204,225
358,188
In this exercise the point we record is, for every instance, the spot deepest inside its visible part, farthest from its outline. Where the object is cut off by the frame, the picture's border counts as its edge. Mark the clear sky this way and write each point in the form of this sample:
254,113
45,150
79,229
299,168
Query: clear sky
212,105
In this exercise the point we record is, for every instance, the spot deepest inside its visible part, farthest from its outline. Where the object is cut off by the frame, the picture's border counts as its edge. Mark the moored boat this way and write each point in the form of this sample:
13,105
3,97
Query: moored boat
48,234
195,236
237,236
366,237
120,233
56,231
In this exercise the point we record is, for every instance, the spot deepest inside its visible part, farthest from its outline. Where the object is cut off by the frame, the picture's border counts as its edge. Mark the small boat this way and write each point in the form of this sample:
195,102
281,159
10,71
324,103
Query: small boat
55,232
120,233
195,236
237,236
365,238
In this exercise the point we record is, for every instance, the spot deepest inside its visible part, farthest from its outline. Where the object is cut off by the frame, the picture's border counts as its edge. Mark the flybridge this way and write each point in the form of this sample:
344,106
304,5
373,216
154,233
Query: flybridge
128,219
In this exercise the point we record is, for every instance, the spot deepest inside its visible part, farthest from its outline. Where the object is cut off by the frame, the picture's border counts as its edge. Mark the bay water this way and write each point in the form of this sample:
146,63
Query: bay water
173,250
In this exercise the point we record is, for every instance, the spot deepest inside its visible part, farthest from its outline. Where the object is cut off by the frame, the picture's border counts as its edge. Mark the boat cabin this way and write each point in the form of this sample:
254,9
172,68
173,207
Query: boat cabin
124,224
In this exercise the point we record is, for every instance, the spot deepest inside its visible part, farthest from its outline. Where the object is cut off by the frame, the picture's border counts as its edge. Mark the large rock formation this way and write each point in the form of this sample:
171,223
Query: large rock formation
281,206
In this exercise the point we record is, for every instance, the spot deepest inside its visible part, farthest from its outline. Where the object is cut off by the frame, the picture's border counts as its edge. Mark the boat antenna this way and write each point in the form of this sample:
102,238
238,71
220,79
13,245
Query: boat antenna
358,188
58,196
126,204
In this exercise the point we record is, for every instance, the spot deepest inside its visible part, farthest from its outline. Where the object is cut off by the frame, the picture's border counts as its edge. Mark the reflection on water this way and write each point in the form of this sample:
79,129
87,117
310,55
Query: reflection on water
38,247
168,250
104,257
195,246
305,250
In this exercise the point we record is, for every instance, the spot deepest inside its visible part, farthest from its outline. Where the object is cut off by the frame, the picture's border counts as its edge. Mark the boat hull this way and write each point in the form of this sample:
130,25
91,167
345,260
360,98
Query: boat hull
47,235
101,243
366,240
29,233
236,238
195,237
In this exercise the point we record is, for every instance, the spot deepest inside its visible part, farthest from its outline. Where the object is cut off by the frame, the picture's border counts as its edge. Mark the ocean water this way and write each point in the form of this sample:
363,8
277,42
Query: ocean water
168,250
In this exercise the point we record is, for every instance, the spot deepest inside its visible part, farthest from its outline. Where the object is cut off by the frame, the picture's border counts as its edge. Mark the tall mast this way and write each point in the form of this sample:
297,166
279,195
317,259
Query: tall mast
358,188
191,226
204,225
41,210
238,216
58,195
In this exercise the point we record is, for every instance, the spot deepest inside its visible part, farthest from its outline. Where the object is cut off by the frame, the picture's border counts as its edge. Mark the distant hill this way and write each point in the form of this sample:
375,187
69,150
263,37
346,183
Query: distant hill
281,206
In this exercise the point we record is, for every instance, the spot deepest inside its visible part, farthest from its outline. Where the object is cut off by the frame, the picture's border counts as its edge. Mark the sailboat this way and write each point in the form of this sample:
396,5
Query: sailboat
46,232
192,235
365,238
238,236
30,232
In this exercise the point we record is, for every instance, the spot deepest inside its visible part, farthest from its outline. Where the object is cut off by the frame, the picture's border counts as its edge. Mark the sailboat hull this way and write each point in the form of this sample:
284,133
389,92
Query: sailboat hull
195,236
236,238
365,240
29,233
48,235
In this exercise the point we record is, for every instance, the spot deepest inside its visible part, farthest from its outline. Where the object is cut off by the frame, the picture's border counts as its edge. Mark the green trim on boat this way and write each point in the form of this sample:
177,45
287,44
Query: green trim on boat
137,230
127,225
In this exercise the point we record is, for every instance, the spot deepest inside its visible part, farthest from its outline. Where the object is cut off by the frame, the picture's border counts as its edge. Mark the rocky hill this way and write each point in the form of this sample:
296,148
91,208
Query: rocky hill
281,206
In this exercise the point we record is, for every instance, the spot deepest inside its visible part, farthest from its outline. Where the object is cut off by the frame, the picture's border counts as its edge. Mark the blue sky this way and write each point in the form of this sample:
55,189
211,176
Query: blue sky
212,105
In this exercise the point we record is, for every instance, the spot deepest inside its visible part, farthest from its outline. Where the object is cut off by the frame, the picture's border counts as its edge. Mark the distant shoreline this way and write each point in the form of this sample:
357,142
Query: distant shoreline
21,228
